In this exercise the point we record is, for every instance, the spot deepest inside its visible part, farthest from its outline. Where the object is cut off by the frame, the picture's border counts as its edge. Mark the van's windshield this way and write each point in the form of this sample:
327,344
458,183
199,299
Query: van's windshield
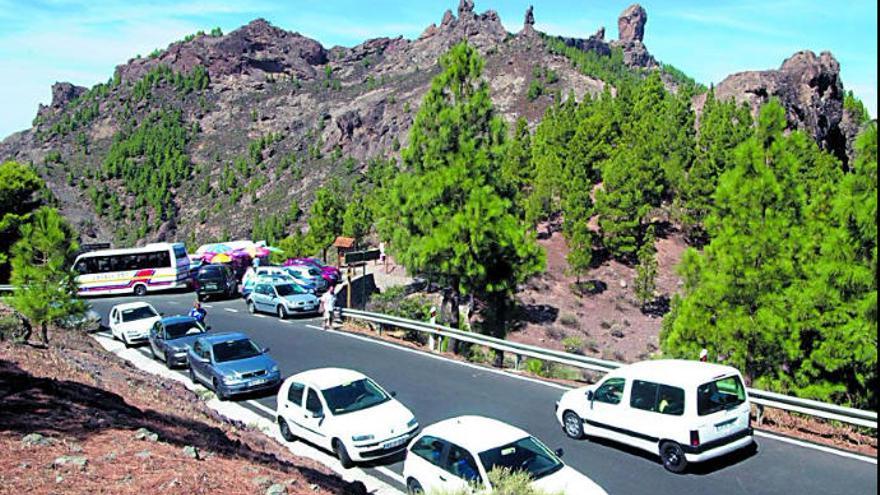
724,393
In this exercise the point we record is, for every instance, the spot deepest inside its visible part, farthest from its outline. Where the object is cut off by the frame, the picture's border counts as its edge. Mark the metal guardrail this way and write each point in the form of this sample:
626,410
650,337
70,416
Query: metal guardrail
761,398
6,288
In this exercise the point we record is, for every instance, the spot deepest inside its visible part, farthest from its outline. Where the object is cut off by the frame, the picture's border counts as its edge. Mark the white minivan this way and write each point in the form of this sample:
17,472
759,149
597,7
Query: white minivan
684,411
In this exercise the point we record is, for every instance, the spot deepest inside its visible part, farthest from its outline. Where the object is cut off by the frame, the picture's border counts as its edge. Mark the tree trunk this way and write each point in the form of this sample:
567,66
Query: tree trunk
455,320
44,334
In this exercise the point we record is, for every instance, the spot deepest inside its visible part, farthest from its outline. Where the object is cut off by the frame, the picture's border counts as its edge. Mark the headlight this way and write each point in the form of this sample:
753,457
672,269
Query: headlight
180,352
273,369
230,379
412,423
361,438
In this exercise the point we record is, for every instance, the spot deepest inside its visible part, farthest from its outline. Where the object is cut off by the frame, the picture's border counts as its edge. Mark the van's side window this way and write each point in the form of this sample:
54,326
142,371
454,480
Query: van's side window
611,391
654,397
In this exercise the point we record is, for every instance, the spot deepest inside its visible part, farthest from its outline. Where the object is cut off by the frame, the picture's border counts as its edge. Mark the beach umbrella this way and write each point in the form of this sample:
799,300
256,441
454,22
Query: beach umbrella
221,258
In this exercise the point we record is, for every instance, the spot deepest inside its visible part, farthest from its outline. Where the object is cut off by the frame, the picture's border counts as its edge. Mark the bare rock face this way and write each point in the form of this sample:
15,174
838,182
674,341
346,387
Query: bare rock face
599,34
631,23
62,94
631,32
809,87
530,17
465,7
257,47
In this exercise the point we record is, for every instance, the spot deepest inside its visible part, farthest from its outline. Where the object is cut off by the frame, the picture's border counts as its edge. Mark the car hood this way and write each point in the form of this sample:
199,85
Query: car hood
384,421
183,343
569,482
142,325
256,363
305,298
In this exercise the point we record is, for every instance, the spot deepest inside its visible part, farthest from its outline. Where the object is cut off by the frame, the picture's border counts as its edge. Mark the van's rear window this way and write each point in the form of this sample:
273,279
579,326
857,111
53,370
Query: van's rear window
725,393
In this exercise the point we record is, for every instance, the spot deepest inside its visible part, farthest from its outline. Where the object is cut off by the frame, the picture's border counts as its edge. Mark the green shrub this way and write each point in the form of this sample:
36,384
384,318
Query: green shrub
569,320
504,482
573,344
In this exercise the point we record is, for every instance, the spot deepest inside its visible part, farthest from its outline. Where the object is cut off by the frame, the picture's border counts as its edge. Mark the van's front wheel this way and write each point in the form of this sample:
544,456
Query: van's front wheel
573,425
673,457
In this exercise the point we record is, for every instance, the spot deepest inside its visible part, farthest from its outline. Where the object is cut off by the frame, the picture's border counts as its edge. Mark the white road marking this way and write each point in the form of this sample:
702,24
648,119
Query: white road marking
258,316
208,305
820,448
263,408
231,310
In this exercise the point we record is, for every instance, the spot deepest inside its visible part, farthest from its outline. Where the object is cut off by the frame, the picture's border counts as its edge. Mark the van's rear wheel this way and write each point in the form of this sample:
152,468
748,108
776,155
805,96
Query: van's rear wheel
573,425
673,457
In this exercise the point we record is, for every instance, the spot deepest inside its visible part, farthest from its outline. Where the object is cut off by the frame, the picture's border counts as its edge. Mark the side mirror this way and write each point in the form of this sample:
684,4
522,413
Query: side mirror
208,327
559,452
265,350
161,313
318,414
590,395
393,394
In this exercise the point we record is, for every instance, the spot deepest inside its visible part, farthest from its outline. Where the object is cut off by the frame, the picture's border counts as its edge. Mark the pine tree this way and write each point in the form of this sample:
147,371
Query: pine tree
646,272
45,285
326,216
21,192
358,216
445,214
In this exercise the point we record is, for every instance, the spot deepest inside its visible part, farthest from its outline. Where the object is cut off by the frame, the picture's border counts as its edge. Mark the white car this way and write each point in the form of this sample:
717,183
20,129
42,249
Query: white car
459,452
346,412
683,411
131,322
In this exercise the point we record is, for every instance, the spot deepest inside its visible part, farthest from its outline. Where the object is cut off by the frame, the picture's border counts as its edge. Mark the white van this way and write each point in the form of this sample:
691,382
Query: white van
684,411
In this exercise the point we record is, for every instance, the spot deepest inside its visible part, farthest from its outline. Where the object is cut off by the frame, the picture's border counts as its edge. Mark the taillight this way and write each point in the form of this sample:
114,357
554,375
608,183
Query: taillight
695,438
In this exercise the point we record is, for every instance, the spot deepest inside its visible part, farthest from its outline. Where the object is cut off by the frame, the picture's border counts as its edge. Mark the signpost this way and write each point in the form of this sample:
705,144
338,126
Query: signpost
357,257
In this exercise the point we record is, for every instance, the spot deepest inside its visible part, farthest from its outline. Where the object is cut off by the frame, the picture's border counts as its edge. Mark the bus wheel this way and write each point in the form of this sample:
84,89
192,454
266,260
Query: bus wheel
140,290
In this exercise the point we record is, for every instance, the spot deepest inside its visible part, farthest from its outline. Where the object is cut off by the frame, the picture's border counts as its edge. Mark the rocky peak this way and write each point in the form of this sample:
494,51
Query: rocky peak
631,23
465,7
530,17
599,35
810,89
62,94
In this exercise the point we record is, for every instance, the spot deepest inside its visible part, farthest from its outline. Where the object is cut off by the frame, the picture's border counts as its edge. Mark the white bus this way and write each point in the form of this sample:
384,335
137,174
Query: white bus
133,271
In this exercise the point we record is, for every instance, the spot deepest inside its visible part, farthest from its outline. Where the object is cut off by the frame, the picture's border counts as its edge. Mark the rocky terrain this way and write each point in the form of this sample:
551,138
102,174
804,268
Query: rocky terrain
76,419
278,114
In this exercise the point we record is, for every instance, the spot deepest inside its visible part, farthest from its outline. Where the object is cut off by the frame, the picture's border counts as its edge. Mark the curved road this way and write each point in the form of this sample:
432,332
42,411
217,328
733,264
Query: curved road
435,388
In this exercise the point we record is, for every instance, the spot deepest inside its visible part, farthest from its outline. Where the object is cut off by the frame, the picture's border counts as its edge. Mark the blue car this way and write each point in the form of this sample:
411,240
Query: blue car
171,337
230,364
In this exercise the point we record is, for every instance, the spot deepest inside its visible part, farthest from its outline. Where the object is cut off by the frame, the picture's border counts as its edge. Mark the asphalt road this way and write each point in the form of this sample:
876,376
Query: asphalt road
436,389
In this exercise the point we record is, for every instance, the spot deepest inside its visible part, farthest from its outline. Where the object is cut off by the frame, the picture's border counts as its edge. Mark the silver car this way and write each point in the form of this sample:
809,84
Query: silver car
283,299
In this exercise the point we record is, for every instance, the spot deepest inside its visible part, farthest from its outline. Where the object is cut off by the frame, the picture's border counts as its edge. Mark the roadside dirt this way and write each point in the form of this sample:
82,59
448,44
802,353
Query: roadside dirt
75,419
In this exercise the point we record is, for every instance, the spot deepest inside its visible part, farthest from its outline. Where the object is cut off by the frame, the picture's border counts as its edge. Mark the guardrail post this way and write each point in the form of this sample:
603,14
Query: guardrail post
759,415
517,362
433,322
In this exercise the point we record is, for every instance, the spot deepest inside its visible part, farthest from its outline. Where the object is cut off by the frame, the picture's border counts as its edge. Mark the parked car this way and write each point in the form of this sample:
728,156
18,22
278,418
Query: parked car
87,321
456,453
330,273
309,278
683,411
346,412
282,299
216,280
131,322
247,286
230,363
171,337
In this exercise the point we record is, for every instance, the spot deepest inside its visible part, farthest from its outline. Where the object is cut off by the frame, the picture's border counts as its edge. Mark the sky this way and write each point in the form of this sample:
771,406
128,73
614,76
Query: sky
82,41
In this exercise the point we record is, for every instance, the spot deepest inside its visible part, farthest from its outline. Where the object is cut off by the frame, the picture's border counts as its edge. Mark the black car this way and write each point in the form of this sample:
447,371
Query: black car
171,337
216,280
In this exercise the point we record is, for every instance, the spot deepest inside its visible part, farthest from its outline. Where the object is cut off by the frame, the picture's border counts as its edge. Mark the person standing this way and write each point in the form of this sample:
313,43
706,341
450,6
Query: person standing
704,355
198,312
328,301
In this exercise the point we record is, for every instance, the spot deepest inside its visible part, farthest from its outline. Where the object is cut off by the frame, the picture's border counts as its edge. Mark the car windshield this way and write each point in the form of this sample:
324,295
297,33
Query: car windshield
138,313
314,272
528,455
177,330
211,272
354,396
725,393
289,290
233,350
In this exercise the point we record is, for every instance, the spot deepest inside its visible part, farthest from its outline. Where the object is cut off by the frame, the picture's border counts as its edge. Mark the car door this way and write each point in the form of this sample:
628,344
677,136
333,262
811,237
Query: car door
605,408
314,417
426,463
111,322
461,468
260,297
199,366
656,411
157,339
293,409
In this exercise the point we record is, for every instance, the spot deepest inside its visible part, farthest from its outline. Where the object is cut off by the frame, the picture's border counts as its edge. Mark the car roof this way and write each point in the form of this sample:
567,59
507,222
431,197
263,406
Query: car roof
224,336
324,378
475,433
679,372
171,320
132,305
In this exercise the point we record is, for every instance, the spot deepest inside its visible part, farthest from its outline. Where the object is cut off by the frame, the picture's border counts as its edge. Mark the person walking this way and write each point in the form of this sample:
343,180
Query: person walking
704,355
198,312
328,301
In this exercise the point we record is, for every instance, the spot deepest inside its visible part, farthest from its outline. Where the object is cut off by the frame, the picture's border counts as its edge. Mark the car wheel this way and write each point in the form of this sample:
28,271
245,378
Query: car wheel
673,457
192,376
218,390
413,487
573,425
140,290
342,454
282,312
153,351
251,308
284,428
201,297
126,342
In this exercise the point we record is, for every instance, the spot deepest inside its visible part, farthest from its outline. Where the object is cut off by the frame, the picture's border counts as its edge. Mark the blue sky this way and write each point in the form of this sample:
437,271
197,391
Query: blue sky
43,41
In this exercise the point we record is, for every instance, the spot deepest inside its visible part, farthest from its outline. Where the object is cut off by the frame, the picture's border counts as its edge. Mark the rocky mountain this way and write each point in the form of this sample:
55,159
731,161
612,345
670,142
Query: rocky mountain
200,140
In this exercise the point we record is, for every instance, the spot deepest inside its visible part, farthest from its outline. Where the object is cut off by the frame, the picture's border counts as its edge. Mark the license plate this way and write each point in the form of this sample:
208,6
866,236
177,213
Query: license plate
211,286
394,443
259,381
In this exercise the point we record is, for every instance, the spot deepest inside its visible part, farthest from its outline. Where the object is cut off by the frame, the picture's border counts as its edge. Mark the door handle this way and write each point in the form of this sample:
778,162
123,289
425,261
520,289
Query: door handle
442,478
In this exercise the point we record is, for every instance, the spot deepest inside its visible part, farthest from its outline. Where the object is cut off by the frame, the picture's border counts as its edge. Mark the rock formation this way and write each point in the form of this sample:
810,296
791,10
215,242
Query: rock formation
62,94
631,32
809,87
